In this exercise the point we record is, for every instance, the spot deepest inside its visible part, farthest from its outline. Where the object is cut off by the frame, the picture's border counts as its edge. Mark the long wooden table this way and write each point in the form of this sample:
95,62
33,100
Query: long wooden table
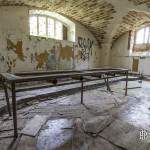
10,81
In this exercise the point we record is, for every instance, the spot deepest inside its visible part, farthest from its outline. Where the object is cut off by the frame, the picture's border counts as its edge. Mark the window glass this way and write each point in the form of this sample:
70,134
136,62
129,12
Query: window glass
58,30
140,36
149,39
65,32
42,25
46,26
146,35
50,27
33,25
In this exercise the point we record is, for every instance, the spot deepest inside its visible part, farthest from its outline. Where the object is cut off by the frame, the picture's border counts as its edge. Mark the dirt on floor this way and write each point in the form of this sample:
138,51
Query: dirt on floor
106,121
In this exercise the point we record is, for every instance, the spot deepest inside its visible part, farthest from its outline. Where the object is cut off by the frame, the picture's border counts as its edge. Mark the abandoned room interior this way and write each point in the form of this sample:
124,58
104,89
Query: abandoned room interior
74,74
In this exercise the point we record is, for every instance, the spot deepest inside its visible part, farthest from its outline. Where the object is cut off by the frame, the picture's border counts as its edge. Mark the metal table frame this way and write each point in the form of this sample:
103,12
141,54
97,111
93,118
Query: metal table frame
11,80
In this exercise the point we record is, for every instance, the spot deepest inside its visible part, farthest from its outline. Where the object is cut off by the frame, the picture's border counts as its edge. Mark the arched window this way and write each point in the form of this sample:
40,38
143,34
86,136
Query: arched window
140,41
51,25
143,35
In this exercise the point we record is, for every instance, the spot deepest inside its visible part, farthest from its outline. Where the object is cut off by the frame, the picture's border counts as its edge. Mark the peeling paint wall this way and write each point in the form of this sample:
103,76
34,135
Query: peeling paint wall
21,52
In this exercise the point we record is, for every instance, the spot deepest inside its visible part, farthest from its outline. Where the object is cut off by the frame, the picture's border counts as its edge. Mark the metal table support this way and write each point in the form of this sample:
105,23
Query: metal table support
7,98
126,88
82,90
14,109
13,79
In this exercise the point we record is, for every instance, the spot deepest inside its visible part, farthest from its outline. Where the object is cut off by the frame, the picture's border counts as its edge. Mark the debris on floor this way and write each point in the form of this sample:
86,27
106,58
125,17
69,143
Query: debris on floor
106,121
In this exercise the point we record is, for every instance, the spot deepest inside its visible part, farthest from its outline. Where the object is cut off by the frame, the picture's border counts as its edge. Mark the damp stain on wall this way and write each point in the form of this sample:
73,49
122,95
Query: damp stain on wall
49,59
66,53
17,48
52,63
32,58
10,64
78,56
41,59
2,58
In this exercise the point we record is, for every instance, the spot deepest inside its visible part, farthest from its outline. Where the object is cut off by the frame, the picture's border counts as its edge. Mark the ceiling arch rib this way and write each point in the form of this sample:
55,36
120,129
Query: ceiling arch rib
140,2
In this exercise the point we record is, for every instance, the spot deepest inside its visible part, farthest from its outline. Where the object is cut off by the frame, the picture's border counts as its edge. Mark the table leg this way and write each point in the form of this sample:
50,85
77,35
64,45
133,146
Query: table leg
107,84
126,88
7,98
82,88
14,109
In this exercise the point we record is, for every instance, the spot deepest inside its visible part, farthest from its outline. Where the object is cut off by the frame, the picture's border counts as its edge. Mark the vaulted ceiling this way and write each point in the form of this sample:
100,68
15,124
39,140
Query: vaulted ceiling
131,21
96,15
93,14
140,2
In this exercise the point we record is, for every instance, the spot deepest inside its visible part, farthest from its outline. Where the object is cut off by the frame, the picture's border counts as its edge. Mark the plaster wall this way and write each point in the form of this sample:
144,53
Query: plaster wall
122,8
21,52
120,56
93,61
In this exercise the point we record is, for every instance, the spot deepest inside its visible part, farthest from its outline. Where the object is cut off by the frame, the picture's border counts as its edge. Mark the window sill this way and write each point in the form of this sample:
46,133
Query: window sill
140,54
46,38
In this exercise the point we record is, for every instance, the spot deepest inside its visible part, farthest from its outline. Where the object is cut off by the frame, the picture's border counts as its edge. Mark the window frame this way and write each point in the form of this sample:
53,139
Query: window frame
144,36
139,50
47,17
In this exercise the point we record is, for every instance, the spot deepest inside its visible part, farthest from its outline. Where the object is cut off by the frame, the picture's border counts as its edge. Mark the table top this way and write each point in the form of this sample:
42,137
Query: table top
41,76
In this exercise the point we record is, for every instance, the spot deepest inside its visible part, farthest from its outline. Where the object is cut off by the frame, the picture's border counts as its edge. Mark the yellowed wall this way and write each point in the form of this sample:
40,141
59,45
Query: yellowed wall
21,52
